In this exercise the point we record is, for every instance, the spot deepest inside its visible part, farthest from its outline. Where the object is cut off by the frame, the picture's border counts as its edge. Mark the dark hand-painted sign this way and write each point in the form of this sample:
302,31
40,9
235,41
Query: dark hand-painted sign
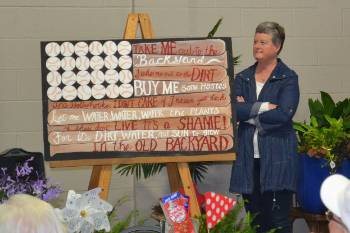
130,98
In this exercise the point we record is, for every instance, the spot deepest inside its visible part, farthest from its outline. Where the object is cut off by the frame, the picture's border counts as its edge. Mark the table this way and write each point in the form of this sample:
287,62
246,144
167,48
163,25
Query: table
317,223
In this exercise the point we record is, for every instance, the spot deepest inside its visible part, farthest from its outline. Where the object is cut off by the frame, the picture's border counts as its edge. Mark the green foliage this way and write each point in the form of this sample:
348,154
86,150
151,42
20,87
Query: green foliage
328,133
232,222
323,140
197,170
237,59
118,224
327,106
146,169
215,28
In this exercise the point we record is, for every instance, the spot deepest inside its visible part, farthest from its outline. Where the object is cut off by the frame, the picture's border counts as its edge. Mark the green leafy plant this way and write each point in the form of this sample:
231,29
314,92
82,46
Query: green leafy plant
140,169
232,222
236,60
215,28
150,169
327,134
327,107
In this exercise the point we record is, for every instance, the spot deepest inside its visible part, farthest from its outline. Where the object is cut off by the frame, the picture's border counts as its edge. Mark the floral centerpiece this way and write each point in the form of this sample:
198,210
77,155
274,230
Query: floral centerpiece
24,179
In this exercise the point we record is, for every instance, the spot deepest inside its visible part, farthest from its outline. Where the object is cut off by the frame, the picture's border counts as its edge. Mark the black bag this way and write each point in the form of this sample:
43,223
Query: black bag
13,157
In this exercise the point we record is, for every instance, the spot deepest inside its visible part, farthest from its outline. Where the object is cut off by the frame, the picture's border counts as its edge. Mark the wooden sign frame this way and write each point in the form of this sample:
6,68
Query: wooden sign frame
177,165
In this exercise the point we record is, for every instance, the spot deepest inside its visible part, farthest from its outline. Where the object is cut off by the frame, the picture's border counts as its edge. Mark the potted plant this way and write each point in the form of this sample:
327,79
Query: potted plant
324,144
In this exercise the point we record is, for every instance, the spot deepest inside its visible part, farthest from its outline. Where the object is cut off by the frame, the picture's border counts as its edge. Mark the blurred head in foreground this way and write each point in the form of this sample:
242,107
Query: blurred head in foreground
23,213
335,194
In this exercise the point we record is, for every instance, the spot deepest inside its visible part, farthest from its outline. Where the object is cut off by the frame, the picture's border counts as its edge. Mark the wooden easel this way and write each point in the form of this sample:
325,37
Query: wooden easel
101,175
177,166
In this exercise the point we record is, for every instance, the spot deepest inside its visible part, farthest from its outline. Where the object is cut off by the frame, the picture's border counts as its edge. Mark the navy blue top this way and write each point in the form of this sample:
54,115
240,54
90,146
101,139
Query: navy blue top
276,136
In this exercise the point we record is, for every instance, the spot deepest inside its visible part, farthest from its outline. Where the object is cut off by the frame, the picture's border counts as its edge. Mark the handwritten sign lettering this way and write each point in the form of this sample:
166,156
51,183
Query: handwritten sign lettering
78,116
143,60
73,137
193,99
125,98
210,47
181,123
183,144
182,73
155,87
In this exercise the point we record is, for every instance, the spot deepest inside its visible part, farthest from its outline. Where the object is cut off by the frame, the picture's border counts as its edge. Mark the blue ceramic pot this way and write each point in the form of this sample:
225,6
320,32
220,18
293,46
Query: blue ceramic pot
312,172
344,169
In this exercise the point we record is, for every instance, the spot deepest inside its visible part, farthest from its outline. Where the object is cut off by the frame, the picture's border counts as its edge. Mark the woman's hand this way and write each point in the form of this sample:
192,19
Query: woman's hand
240,99
272,106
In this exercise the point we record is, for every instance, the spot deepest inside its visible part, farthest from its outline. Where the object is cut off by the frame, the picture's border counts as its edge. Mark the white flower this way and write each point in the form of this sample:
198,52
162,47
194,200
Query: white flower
86,212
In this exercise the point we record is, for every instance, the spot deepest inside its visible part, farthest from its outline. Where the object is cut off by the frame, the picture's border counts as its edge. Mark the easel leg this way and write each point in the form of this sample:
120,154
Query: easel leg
131,26
189,188
174,177
146,26
101,177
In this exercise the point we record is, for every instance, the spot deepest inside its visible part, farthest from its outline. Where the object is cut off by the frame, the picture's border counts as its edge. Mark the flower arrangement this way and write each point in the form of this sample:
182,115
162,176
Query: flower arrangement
85,213
328,133
88,213
24,179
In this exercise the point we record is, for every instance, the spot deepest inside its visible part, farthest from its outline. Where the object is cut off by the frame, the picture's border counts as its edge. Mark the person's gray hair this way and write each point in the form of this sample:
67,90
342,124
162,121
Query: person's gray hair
23,213
275,30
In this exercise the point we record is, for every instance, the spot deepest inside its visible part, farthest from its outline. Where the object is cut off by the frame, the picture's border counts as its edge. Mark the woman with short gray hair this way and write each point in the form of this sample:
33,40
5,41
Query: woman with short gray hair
267,97
275,30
